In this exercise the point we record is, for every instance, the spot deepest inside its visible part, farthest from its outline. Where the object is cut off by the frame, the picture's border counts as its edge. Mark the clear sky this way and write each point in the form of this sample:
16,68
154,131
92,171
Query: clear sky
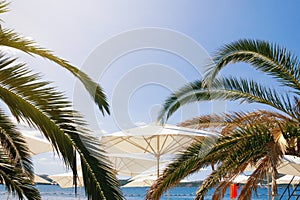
139,78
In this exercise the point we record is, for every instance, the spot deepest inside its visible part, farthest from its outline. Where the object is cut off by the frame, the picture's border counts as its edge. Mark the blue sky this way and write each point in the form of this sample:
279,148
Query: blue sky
74,30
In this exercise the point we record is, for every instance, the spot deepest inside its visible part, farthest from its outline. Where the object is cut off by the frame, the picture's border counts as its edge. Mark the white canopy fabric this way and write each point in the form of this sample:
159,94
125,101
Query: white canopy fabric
65,180
290,165
152,139
38,179
37,145
241,179
286,179
141,181
131,164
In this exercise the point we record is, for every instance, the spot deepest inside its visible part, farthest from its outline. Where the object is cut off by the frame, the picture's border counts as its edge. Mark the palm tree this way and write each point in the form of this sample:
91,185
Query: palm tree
41,106
258,138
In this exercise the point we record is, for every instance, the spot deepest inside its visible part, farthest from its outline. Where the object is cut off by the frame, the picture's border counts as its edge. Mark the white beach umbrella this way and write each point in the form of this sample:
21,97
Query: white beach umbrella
131,164
290,165
65,180
241,178
286,179
38,179
152,140
141,181
37,145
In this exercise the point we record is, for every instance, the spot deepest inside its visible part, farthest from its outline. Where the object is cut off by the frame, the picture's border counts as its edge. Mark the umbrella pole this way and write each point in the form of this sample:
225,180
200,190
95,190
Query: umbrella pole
157,155
79,192
269,188
157,160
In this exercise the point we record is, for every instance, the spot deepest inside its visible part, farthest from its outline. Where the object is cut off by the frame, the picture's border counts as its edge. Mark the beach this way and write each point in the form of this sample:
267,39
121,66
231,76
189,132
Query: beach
54,192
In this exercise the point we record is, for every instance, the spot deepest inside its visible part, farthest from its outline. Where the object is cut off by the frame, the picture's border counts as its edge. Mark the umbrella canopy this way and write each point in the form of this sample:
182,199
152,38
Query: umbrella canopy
37,145
241,179
131,164
141,181
286,179
65,180
290,165
38,179
152,139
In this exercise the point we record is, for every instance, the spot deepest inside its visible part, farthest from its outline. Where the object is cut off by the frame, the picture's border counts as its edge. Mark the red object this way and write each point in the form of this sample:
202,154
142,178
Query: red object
233,191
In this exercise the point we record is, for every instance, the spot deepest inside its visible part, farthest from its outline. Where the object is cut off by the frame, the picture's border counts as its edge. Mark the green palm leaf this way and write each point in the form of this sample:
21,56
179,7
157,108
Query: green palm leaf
16,169
31,100
42,107
259,138
269,58
186,163
248,138
234,152
11,39
225,123
16,180
14,145
3,7
230,89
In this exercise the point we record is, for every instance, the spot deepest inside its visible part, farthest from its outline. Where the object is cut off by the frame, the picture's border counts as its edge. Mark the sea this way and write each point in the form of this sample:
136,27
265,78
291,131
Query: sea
54,192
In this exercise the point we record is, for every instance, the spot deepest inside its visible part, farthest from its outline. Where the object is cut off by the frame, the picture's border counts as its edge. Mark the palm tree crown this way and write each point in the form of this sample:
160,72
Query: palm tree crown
258,139
41,106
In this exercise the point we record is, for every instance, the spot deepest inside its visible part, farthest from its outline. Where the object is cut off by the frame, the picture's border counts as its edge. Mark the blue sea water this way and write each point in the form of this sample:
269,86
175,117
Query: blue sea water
54,192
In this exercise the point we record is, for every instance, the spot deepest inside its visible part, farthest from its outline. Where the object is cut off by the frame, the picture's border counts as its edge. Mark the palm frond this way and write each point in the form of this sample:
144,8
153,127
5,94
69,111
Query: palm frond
226,122
14,145
11,39
16,181
232,152
186,163
244,146
260,171
269,58
3,7
227,89
42,107
93,159
259,138
253,92
214,121
214,178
